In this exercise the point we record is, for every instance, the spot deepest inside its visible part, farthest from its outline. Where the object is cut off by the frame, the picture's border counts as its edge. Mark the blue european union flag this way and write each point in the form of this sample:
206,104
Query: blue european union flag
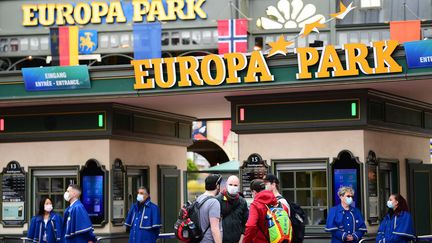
87,41
147,40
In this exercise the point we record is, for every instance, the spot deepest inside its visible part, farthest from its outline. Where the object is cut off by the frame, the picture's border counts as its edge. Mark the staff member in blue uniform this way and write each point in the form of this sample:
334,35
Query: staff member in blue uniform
345,223
397,225
77,227
143,219
46,226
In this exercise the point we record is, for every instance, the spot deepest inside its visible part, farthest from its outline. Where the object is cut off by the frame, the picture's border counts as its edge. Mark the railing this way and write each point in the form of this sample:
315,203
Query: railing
125,237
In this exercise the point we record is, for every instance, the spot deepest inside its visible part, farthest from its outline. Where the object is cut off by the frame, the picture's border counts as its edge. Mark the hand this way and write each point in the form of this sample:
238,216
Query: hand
90,241
349,238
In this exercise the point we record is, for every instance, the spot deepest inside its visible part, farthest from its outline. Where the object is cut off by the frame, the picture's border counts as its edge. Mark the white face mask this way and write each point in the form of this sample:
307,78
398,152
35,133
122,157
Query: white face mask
140,198
48,207
268,187
390,204
66,196
232,190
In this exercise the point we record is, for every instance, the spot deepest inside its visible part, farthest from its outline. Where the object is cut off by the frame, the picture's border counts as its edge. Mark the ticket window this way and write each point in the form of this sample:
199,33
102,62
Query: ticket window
135,177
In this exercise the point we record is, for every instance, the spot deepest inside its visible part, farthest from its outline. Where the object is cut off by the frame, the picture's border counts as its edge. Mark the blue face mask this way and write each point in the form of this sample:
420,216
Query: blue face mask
389,204
348,200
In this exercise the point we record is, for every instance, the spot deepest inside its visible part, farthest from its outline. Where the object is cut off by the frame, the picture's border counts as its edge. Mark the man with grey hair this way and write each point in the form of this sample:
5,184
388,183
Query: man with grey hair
234,211
143,219
77,226
344,222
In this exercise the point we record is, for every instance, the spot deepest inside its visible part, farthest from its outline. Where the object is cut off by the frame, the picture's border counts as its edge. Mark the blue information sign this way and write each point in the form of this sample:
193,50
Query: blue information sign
56,78
418,53
345,177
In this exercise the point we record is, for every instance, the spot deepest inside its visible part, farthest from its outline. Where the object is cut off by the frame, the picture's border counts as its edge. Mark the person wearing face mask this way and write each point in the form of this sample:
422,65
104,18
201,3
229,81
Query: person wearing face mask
143,219
344,222
272,184
46,226
397,225
234,211
77,226
256,225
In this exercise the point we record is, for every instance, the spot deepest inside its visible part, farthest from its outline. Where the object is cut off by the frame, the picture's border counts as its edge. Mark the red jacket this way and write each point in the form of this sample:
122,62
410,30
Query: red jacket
256,226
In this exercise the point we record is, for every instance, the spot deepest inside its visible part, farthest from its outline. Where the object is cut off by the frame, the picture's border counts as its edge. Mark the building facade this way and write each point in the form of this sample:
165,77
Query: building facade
370,129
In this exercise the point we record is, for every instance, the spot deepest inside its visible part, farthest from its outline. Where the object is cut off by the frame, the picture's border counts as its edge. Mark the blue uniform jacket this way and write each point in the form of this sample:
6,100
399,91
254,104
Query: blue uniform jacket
144,220
77,226
396,229
341,223
53,228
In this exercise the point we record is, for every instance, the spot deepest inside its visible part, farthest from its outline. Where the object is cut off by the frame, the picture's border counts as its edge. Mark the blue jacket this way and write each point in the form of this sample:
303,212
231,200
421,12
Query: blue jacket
341,223
38,228
145,223
396,229
77,226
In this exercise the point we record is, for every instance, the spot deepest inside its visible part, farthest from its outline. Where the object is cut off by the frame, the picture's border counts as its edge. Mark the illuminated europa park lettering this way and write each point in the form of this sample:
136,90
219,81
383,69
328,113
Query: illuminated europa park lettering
355,60
195,72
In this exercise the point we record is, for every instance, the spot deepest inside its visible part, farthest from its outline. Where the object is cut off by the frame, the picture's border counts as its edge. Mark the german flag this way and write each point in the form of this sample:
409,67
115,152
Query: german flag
64,45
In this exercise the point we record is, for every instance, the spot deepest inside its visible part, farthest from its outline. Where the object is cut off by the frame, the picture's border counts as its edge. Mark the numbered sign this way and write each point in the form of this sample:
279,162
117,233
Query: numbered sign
13,191
253,168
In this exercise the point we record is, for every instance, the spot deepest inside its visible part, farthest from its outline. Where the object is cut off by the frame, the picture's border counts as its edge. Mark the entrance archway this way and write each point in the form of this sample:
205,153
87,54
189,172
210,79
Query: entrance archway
209,150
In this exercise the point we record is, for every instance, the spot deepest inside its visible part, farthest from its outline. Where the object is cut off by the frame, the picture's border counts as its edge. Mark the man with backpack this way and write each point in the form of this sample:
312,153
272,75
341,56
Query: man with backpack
297,215
234,211
209,210
268,220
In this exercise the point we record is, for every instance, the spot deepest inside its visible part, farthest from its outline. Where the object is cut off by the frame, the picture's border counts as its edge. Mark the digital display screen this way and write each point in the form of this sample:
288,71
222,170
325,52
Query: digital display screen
92,195
345,177
298,112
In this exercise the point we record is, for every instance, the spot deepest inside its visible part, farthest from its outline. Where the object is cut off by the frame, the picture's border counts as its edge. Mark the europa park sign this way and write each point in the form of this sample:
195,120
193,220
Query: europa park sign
192,71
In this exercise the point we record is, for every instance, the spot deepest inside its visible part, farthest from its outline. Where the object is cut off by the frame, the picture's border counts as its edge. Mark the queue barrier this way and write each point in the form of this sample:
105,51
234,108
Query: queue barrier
126,237
4,239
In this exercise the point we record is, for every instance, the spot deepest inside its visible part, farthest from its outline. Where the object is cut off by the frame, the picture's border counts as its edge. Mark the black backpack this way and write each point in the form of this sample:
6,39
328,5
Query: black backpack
187,228
298,220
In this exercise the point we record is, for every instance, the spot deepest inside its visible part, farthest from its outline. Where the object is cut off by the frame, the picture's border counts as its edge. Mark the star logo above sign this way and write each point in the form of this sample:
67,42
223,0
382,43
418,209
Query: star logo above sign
280,46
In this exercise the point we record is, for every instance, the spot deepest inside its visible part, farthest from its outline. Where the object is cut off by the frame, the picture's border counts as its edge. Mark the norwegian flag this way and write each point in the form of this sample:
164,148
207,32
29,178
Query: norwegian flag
232,35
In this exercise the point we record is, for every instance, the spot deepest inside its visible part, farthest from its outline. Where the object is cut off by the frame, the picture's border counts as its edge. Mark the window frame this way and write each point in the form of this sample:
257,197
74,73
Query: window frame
301,164
45,172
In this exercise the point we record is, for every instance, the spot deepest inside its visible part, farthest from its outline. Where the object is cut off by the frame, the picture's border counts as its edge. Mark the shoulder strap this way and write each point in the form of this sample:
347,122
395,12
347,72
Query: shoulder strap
199,205
279,197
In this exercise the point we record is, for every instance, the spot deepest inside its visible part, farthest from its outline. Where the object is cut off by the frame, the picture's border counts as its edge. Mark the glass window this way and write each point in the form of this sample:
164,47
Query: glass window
307,188
124,41
44,42
186,38
34,44
196,37
175,38
165,38
381,11
24,44
207,36
114,41
14,44
51,184
103,41
4,45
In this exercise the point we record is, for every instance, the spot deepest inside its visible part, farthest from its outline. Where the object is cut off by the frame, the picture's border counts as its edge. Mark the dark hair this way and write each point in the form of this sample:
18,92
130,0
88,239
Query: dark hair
272,179
143,188
42,205
76,187
257,185
402,204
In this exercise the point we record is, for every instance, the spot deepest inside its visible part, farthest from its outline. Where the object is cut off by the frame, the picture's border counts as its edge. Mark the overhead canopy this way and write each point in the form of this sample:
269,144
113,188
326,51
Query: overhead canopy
232,165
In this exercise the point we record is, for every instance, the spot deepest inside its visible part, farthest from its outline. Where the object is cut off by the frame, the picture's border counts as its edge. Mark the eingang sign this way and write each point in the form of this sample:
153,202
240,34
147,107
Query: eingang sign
193,72
48,14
